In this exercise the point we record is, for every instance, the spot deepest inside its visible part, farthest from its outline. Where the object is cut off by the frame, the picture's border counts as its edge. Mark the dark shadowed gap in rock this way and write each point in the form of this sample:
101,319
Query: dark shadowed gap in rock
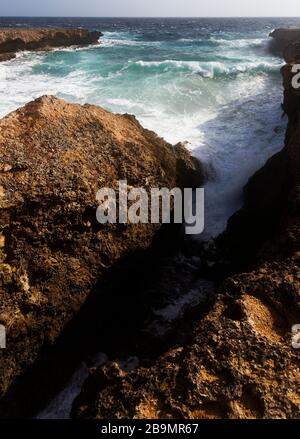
145,304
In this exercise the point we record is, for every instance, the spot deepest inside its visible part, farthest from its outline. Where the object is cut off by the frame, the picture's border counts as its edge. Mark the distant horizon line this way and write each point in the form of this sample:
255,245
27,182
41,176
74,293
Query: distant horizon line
143,17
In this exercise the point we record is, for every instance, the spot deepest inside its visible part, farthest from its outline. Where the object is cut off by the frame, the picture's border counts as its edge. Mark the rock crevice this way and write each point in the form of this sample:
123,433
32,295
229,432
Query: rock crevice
55,156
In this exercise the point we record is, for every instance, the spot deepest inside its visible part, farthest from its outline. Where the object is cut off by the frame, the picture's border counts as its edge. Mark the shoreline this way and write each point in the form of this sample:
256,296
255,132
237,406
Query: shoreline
231,305
13,40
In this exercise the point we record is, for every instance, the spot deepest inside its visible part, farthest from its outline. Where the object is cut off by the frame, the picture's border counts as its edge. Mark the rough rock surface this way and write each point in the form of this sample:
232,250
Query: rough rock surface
240,362
12,40
55,156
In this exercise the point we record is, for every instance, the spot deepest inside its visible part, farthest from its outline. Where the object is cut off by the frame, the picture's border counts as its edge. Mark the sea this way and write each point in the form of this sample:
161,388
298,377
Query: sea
210,82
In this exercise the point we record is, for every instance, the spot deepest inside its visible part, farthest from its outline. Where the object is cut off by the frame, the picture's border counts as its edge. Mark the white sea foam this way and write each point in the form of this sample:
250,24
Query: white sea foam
130,104
187,40
109,42
252,111
211,69
18,85
240,43
60,407
110,39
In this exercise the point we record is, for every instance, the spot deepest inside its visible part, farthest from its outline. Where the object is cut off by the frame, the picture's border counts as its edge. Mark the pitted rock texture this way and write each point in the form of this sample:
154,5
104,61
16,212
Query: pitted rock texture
55,156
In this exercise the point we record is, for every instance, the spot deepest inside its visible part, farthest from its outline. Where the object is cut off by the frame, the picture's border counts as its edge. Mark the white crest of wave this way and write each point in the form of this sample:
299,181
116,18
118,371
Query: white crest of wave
210,69
110,42
18,86
111,39
240,43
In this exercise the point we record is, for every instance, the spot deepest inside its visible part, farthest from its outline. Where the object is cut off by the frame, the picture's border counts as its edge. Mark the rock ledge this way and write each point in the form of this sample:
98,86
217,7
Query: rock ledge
13,40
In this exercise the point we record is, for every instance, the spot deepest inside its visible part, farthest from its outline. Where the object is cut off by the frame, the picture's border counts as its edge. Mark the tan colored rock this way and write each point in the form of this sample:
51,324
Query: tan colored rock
13,40
55,157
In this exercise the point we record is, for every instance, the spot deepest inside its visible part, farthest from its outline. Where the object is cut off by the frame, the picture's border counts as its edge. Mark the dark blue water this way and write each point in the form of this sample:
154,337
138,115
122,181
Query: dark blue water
171,26
210,82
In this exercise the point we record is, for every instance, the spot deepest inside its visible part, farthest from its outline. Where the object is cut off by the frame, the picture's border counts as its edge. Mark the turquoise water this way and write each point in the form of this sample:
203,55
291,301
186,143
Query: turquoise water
209,82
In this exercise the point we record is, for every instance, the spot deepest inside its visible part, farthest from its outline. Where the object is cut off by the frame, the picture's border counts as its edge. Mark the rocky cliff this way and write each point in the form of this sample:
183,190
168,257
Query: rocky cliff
240,362
55,156
13,40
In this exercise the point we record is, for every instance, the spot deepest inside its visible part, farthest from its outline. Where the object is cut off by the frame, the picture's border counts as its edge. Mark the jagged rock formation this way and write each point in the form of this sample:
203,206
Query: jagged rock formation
283,38
240,362
13,40
55,156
